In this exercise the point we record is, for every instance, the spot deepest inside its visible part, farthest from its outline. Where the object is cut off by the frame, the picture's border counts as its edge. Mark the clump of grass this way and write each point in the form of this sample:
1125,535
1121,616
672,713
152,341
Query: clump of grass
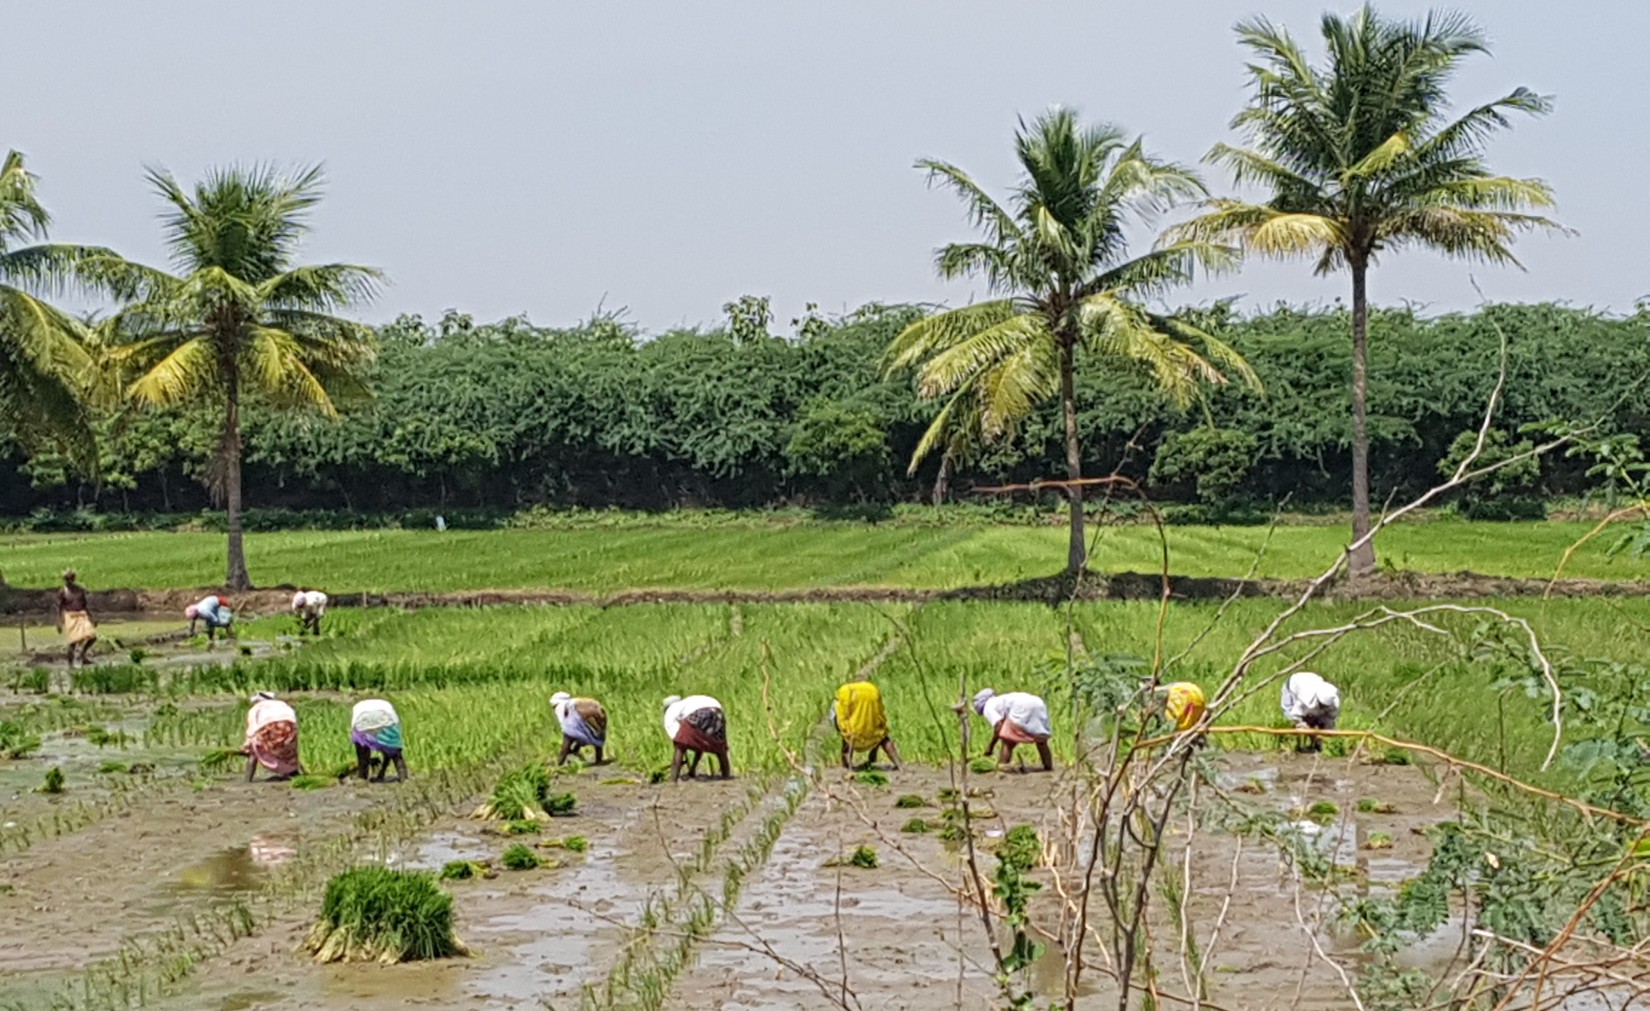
111,766
1378,841
1374,805
520,858
1020,847
524,826
16,741
911,800
954,833
312,782
524,795
871,777
1395,756
1323,812
374,914
983,765
916,826
464,870
103,737
864,856
572,843
53,782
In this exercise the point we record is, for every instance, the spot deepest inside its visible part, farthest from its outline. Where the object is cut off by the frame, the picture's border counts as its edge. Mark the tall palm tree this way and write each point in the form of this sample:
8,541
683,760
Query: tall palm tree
238,319
45,368
1360,158
1057,254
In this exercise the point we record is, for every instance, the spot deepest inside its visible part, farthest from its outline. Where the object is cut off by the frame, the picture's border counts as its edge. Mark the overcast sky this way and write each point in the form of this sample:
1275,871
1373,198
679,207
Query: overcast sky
543,158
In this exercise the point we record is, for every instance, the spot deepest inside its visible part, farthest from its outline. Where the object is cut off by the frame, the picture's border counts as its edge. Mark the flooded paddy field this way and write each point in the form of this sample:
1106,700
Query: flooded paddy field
159,877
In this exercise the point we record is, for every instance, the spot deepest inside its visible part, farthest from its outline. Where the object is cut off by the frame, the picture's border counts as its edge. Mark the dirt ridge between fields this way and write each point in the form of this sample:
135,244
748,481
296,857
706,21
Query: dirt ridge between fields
1051,590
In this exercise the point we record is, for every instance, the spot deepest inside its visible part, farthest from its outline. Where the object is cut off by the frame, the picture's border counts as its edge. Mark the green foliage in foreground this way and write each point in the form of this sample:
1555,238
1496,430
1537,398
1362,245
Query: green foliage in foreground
373,914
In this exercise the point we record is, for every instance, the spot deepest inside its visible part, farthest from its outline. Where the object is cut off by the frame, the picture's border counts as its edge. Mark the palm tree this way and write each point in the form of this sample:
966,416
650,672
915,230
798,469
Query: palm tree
1057,254
45,368
239,318
1360,158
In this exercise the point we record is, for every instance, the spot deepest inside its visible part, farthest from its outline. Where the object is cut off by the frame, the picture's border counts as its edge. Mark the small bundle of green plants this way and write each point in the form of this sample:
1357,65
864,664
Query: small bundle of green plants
911,800
374,914
863,856
917,826
53,783
312,782
16,741
464,870
524,795
520,858
983,766
220,760
572,843
871,777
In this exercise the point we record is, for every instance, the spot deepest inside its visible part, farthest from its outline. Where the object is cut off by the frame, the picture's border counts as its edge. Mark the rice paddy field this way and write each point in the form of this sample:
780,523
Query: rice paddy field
157,877
769,556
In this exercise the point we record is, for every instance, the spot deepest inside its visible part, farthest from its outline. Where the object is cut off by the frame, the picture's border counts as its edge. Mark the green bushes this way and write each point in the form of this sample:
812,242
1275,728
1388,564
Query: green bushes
381,915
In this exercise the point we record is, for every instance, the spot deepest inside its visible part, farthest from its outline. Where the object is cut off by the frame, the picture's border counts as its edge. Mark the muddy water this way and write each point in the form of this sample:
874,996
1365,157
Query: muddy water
541,936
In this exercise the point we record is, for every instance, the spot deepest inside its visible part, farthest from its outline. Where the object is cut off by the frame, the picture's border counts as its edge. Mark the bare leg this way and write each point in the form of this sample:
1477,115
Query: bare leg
848,755
363,761
676,765
723,764
693,769
599,759
383,766
1005,754
566,749
251,766
1046,755
400,768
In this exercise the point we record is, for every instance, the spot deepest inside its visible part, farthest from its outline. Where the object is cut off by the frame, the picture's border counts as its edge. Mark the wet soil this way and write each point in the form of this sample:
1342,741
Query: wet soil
1055,589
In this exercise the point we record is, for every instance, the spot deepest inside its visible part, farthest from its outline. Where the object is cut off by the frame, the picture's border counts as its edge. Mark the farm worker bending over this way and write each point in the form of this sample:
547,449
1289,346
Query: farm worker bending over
1016,718
309,606
213,611
74,619
375,730
583,722
1310,702
271,737
859,717
1184,704
696,724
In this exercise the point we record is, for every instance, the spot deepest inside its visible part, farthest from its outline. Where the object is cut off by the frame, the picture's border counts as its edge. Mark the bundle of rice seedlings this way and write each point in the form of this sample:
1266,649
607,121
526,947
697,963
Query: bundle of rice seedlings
53,783
463,870
220,759
380,915
520,858
911,800
311,782
871,777
524,795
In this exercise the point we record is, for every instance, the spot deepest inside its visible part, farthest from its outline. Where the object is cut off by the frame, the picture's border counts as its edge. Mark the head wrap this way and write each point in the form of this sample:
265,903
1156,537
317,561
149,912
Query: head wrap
260,696
560,697
981,697
671,700
191,611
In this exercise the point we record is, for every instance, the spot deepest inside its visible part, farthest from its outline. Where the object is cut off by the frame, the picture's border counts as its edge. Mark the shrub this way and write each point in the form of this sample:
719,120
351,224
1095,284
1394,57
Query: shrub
1020,847
911,800
520,858
383,915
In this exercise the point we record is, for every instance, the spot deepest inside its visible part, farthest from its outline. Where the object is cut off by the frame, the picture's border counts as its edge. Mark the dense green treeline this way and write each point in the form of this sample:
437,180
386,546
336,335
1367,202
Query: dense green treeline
509,415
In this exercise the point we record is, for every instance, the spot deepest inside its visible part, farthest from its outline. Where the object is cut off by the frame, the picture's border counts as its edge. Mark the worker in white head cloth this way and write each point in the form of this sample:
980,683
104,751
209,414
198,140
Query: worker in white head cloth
1311,703
309,606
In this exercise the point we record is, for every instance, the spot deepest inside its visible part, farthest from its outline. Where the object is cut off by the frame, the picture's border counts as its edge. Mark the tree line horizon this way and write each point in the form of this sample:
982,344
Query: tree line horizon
1357,156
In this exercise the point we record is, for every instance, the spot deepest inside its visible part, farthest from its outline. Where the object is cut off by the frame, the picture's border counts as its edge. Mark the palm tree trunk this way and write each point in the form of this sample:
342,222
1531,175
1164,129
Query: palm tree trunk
942,483
237,578
1077,552
1363,558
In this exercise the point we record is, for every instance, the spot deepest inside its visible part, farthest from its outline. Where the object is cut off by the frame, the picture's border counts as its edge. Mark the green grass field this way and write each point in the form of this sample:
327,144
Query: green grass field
758,557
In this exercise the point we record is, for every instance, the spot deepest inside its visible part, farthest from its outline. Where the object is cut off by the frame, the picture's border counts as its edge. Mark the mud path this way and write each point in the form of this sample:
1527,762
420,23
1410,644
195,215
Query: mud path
19,601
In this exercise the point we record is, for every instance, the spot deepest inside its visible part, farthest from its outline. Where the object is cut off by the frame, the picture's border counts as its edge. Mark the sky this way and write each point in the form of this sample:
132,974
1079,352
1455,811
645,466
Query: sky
546,158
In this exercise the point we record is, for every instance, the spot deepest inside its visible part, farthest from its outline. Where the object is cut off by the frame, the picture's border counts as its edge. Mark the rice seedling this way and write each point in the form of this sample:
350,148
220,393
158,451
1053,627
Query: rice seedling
982,766
911,800
220,760
16,741
520,858
1323,812
312,782
871,777
1374,805
1378,841
112,765
463,870
525,826
53,782
524,795
916,826
571,843
864,856
386,916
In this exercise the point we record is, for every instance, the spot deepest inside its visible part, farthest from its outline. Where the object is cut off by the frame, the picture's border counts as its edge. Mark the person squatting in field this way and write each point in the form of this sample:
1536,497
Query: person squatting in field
271,737
583,723
1183,704
309,606
1311,703
1016,718
375,730
696,724
858,715
213,611
74,619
